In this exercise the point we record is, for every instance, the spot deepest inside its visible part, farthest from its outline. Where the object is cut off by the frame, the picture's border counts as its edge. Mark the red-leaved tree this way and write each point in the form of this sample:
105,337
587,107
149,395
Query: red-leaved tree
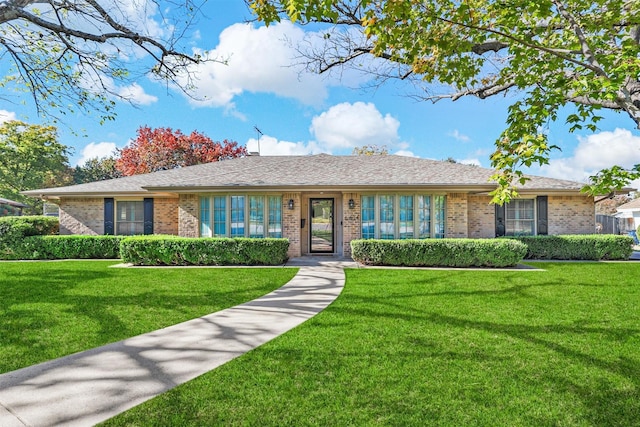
164,148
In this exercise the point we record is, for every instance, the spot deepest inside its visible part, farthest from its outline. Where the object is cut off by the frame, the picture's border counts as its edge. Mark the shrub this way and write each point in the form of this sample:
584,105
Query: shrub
593,247
68,247
13,229
439,252
172,250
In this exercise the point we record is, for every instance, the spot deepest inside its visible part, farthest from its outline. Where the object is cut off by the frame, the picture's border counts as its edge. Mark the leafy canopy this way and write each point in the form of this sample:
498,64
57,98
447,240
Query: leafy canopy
74,56
370,150
163,148
552,53
96,169
30,157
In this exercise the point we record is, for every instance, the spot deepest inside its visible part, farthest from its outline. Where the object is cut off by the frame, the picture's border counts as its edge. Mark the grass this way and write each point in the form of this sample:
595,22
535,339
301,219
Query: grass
445,348
51,309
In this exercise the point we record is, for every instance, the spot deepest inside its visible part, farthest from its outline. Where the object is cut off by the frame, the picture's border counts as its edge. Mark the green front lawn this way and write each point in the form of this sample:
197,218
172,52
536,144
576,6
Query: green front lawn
51,309
445,348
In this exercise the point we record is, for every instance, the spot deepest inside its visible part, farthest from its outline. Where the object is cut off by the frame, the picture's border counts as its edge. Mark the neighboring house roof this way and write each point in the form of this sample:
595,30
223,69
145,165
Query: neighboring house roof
633,205
315,171
12,203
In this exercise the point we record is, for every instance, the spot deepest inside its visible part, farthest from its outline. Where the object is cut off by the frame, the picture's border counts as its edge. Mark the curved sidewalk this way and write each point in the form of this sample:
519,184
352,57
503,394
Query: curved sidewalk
89,387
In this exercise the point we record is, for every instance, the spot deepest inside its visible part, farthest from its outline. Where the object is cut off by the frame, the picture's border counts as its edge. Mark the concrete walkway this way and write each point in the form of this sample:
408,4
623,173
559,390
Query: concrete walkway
89,387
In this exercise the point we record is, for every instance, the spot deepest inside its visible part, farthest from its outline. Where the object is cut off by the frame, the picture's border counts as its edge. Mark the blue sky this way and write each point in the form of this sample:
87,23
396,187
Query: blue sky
301,113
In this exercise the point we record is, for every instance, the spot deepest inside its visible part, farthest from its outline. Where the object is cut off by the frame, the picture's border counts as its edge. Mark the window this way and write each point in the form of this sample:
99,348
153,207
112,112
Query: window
520,217
219,216
205,216
237,216
424,217
275,216
386,229
129,218
241,216
256,216
438,213
368,217
388,216
406,217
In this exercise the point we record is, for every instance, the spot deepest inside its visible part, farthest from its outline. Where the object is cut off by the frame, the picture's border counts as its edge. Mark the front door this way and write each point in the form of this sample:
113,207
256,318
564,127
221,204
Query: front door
322,230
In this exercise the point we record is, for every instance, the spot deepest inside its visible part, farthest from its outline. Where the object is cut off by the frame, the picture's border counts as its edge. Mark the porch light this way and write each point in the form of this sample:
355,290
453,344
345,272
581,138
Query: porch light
352,204
290,204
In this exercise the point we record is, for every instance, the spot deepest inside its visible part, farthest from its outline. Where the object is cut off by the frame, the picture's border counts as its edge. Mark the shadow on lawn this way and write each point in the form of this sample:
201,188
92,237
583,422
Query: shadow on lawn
39,307
614,400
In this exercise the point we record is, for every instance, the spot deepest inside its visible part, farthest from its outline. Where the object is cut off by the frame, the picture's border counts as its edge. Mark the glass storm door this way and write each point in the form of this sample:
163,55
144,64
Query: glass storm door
322,233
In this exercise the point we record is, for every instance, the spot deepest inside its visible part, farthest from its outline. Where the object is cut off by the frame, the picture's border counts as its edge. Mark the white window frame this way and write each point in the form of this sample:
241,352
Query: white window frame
396,213
247,213
117,221
534,219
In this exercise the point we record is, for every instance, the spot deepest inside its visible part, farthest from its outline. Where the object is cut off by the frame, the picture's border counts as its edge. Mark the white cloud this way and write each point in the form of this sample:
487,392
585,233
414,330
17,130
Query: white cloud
257,60
6,116
345,126
455,134
133,93
475,162
136,94
270,146
406,153
96,149
596,152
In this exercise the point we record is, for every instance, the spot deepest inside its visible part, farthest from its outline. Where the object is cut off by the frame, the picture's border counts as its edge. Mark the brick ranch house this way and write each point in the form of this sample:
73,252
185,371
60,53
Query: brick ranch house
320,202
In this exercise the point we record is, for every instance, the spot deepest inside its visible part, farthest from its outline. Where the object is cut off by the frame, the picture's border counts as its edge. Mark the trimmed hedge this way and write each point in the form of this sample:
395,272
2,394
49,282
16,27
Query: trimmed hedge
14,229
592,247
172,250
439,252
67,247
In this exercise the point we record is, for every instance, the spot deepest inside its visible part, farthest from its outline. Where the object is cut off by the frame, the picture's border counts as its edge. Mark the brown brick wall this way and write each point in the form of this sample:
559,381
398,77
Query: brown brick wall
82,216
482,222
291,223
350,222
165,216
457,218
188,225
571,215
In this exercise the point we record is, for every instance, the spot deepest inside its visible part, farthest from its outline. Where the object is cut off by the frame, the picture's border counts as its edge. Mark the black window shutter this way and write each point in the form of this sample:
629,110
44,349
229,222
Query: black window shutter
542,215
148,216
500,225
109,205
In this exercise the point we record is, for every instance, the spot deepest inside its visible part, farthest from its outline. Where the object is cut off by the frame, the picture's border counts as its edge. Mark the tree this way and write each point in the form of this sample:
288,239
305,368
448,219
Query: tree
370,150
552,53
71,55
30,157
163,148
96,169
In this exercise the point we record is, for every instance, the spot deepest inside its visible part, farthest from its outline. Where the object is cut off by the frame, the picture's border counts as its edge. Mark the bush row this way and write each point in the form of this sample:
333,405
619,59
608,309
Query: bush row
592,247
66,247
172,250
14,229
439,252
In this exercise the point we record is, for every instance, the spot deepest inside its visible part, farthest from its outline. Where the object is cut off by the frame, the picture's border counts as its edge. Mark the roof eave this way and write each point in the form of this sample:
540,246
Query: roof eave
96,194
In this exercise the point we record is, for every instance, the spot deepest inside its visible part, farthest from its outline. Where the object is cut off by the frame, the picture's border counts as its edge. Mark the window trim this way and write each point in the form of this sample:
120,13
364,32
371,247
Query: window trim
116,217
246,213
396,213
534,220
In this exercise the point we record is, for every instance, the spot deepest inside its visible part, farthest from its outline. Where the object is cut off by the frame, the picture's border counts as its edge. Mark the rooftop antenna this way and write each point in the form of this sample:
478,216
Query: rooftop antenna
259,135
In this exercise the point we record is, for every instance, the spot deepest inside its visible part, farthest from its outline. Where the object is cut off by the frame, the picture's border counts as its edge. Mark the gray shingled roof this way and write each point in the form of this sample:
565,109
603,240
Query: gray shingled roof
12,203
633,205
298,172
